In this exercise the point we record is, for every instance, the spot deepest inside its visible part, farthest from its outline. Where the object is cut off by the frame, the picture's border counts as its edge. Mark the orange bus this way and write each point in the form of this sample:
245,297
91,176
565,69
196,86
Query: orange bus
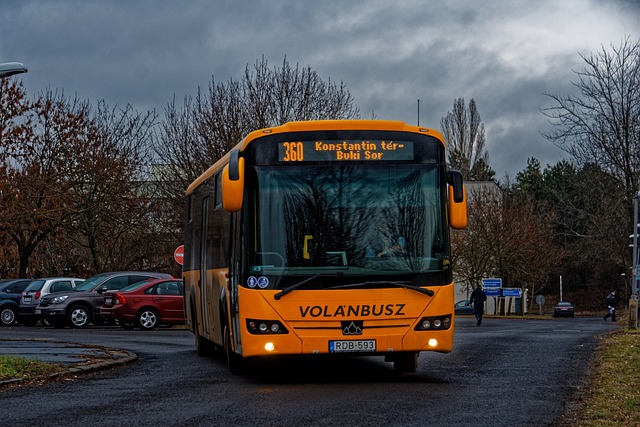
324,237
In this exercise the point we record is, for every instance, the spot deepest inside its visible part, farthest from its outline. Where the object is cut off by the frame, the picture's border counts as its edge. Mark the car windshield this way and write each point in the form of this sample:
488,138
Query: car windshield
564,304
90,283
36,285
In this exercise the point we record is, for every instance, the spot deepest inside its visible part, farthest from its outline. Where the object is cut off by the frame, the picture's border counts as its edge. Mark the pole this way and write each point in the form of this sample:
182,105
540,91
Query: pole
635,274
561,289
635,263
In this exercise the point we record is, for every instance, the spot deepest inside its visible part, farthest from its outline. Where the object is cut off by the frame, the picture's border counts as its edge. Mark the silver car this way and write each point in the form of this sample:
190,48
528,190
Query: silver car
31,296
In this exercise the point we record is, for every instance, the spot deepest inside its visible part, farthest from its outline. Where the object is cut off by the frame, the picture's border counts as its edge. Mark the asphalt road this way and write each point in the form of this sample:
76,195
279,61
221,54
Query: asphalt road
504,373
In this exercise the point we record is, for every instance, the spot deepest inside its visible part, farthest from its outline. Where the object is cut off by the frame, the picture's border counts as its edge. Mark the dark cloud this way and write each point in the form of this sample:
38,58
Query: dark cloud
505,55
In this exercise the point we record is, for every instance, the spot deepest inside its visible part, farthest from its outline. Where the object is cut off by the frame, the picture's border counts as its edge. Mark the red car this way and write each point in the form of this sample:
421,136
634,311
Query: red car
146,304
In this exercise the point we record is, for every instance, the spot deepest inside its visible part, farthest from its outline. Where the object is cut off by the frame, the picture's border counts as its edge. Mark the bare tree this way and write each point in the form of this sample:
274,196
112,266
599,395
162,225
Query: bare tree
507,237
110,201
464,133
193,137
15,127
35,172
601,125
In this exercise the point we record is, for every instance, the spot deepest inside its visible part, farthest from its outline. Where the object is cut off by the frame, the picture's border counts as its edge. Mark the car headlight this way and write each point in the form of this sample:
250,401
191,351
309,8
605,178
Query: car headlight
58,300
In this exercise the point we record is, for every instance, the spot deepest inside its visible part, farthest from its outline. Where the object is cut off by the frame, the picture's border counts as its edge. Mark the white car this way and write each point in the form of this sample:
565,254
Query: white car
31,296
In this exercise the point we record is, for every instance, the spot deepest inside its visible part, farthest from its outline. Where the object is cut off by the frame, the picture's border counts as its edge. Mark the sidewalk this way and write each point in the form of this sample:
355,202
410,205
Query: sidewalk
78,357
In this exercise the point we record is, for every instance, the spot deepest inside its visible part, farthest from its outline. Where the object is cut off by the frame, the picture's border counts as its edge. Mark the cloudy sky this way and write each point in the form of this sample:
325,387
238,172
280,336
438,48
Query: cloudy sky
504,54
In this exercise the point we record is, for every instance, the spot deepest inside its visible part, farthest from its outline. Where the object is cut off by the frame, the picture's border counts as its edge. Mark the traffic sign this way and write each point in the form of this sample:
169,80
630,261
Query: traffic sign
492,292
492,283
512,292
178,254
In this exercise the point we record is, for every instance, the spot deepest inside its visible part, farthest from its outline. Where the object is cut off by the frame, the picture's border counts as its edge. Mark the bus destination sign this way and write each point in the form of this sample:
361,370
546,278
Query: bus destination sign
344,150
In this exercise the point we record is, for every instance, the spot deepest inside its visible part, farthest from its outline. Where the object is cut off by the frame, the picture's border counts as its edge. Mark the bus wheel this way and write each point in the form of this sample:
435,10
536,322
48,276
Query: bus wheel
406,362
203,346
235,363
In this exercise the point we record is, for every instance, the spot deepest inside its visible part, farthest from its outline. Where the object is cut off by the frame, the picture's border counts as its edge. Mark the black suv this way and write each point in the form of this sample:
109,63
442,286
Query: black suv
10,290
81,305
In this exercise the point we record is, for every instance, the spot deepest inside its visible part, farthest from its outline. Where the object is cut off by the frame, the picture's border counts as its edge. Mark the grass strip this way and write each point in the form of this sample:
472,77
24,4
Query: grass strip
613,395
19,367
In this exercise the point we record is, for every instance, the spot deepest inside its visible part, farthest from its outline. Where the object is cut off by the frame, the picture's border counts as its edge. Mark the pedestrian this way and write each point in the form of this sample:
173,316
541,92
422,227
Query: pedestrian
478,297
611,306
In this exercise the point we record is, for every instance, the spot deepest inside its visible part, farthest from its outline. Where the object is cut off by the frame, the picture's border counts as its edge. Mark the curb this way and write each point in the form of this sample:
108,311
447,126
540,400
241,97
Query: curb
109,357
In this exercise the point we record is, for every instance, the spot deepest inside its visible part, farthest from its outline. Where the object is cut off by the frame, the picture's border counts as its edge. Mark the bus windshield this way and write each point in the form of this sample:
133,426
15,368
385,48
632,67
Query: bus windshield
346,219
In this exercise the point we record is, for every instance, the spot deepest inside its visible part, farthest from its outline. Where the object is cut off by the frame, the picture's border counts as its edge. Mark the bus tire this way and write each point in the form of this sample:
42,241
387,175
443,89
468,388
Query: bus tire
235,363
406,362
203,346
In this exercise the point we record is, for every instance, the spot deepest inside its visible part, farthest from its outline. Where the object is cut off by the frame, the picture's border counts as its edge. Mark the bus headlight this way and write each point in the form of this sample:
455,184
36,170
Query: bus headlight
434,323
265,327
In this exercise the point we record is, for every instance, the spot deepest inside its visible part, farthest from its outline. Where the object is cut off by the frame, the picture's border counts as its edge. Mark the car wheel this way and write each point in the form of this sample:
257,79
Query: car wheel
79,316
7,316
147,319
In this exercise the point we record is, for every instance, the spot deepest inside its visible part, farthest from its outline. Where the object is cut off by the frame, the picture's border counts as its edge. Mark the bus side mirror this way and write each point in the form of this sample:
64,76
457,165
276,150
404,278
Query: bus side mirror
457,201
233,183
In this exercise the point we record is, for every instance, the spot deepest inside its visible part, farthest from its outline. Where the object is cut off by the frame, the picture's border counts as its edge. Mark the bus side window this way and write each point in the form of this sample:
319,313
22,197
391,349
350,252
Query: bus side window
218,190
190,208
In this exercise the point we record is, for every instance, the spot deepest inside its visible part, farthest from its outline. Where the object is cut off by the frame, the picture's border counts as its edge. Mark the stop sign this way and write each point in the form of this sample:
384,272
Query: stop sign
178,254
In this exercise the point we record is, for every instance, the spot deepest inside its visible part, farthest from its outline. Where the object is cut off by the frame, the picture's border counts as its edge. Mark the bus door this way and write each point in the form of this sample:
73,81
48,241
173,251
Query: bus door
234,278
204,285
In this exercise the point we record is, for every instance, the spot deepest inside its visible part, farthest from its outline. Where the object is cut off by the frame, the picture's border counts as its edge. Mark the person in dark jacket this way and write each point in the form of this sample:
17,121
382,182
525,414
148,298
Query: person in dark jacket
478,297
611,306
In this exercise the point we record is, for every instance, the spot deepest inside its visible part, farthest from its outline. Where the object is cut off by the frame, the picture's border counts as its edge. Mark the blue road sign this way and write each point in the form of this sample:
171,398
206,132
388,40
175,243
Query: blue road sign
512,292
492,283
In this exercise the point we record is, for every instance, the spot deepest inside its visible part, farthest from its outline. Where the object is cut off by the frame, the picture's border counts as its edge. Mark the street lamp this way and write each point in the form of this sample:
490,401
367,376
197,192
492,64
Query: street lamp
9,69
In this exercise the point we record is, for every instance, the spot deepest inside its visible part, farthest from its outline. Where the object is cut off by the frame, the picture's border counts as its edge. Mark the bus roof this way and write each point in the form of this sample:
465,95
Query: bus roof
313,125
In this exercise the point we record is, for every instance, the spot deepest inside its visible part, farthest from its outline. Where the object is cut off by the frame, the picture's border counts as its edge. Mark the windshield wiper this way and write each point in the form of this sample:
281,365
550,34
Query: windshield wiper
295,286
400,284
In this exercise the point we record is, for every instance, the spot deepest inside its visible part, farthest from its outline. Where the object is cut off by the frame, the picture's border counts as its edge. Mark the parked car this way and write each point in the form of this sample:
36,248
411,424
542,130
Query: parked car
146,304
463,307
81,305
563,309
10,290
30,297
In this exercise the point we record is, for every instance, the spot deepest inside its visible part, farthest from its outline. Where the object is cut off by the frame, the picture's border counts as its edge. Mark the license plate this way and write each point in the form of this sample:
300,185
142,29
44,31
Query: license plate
107,301
351,346
38,311
27,299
